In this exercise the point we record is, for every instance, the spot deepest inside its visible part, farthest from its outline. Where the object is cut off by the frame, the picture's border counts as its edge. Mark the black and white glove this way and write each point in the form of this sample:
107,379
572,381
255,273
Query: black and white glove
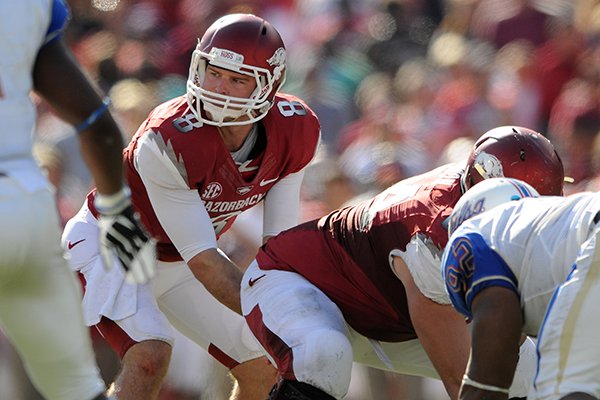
122,234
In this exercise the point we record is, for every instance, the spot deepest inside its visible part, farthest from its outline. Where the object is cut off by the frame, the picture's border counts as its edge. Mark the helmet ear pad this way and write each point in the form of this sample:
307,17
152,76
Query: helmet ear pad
516,152
245,44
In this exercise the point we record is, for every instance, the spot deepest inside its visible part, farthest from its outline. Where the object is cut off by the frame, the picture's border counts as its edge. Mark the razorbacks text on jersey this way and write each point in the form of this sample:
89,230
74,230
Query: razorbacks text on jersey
199,160
355,245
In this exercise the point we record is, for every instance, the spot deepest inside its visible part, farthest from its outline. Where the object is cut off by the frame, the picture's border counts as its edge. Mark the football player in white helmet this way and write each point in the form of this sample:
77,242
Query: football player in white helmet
520,264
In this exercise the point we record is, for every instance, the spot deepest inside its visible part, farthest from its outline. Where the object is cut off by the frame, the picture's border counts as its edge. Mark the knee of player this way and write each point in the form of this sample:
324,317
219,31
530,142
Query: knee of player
258,371
326,361
149,358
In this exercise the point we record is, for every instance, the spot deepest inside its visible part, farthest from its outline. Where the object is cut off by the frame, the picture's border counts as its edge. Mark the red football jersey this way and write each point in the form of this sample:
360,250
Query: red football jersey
287,139
347,253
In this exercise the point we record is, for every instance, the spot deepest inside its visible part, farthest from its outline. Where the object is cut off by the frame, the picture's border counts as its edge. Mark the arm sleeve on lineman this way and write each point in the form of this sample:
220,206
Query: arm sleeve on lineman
424,265
282,204
179,209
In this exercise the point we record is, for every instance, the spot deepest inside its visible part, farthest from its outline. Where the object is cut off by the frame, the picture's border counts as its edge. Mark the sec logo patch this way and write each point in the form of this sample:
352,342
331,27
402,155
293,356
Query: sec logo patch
212,191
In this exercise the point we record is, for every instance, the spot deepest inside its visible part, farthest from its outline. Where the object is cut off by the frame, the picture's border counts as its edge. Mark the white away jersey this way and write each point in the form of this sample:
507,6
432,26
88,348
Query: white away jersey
27,25
528,246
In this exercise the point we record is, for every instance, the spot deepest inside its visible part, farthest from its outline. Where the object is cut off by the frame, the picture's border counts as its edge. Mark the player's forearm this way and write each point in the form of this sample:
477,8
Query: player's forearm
60,81
436,326
496,334
220,277
445,326
102,150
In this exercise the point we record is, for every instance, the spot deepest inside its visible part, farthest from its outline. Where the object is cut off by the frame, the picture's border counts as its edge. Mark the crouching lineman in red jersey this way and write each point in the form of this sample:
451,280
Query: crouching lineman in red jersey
364,283
194,165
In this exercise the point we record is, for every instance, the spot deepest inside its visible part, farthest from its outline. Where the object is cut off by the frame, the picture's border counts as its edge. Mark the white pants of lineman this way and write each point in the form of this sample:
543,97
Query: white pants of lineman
324,345
40,308
568,343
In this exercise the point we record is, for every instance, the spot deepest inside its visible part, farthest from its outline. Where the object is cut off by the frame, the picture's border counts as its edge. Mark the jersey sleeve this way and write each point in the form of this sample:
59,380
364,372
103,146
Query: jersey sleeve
58,20
178,208
282,204
305,140
469,265
422,259
312,148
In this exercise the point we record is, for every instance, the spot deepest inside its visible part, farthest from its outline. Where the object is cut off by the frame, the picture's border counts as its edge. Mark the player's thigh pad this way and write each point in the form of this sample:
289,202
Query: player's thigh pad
300,327
568,341
196,313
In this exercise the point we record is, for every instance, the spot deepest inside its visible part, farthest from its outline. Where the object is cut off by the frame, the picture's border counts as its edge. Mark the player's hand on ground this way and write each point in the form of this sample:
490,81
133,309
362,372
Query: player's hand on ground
123,234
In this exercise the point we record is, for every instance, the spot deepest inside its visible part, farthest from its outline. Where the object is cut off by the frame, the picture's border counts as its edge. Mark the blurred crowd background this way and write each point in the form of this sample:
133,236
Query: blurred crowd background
400,87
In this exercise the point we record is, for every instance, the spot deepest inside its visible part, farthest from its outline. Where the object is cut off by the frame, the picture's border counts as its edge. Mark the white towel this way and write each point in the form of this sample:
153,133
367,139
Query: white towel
107,294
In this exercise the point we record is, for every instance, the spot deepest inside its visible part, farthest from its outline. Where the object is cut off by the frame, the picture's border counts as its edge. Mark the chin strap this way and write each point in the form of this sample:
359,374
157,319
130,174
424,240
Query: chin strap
463,181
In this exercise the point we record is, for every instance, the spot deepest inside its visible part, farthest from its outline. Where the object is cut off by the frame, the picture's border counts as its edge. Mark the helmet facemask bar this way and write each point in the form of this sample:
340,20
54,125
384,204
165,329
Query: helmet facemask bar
223,107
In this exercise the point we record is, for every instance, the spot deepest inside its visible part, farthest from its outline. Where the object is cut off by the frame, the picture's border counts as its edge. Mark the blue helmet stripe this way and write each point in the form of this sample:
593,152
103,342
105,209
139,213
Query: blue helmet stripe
523,190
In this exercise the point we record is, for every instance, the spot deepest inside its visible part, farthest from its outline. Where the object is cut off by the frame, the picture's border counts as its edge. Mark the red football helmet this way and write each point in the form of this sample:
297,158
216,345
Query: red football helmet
516,152
246,44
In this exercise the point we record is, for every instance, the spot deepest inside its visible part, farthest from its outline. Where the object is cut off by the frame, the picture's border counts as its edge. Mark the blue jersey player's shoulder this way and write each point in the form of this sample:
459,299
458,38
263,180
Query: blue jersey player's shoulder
58,20
470,265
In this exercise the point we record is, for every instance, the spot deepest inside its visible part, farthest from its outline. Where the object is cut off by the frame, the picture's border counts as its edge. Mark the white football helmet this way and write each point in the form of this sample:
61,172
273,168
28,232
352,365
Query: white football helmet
246,44
486,195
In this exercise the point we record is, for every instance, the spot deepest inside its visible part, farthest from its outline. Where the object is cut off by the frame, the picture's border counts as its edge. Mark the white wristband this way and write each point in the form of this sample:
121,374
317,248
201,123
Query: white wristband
113,203
490,388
